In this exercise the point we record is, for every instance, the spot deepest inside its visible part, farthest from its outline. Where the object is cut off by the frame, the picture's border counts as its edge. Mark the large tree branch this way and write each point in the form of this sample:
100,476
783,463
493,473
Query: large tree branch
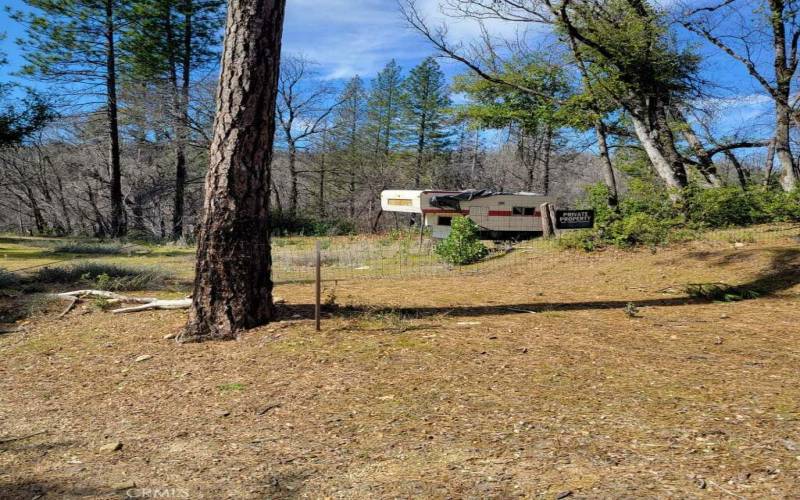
737,145
746,61
438,38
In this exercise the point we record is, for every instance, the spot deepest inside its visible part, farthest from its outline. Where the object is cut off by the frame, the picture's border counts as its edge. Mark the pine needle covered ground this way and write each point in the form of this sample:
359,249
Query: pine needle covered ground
559,375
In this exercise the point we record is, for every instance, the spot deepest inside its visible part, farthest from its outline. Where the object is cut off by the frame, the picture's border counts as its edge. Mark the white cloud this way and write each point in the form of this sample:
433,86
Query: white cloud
349,37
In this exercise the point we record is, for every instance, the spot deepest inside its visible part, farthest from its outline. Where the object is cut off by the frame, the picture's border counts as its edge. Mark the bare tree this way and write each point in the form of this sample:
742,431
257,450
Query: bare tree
743,43
233,283
304,104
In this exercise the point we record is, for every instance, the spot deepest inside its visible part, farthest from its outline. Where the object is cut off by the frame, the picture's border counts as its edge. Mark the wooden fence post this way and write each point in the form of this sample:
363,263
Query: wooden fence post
553,220
318,294
547,224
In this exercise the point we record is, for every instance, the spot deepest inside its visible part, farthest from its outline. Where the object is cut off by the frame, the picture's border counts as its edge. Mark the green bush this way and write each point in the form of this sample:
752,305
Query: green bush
647,216
775,206
639,229
719,207
463,245
587,240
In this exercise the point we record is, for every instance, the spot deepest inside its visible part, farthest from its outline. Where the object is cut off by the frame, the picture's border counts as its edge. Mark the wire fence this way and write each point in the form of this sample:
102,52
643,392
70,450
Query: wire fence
398,254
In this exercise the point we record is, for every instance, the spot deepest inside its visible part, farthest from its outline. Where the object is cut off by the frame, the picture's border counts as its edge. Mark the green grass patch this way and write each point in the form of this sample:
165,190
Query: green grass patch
720,292
103,276
89,248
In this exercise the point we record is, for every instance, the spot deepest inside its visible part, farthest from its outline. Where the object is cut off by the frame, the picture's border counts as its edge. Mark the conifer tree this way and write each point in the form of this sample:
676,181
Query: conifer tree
164,43
348,125
426,102
384,110
75,43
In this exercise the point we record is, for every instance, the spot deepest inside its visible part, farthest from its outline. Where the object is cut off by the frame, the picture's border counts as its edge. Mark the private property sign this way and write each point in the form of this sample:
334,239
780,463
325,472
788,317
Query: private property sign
574,219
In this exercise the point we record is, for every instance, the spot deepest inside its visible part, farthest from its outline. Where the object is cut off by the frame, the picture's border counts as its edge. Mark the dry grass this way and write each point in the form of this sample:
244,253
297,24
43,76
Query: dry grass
434,388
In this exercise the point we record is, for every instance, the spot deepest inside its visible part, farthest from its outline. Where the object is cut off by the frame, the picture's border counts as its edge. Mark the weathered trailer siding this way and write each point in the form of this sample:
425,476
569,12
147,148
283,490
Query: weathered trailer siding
507,216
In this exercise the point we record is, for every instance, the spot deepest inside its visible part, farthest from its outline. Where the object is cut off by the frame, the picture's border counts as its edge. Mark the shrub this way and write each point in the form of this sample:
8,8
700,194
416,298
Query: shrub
719,207
587,240
639,229
647,216
103,276
775,206
647,197
720,292
462,246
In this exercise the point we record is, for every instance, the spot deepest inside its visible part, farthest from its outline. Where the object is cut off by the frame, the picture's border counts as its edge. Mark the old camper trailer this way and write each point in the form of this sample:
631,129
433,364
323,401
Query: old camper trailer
501,216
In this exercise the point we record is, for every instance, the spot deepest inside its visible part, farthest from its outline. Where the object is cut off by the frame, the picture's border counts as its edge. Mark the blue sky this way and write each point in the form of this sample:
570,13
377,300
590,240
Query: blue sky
348,37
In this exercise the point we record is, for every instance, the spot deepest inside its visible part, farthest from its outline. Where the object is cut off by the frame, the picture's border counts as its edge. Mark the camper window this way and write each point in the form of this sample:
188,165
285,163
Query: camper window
445,221
522,211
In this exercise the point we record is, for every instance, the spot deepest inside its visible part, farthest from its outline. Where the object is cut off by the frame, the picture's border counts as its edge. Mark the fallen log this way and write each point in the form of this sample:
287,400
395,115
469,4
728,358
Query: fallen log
157,304
145,303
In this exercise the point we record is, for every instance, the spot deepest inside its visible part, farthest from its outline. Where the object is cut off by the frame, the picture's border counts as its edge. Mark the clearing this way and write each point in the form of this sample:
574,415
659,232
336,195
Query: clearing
529,379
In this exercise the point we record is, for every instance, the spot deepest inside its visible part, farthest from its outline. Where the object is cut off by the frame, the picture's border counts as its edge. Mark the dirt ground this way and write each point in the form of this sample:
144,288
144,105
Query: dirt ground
529,380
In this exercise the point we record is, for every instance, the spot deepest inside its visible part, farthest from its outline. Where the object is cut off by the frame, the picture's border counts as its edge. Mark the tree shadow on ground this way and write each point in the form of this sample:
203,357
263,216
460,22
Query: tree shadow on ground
32,488
782,274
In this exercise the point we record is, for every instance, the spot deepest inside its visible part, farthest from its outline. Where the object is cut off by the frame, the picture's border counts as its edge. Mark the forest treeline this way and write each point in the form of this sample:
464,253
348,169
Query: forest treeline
113,141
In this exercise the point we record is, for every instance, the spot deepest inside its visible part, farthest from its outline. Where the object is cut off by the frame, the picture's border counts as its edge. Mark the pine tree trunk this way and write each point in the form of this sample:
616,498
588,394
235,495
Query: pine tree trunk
117,209
180,95
420,152
233,285
548,146
321,179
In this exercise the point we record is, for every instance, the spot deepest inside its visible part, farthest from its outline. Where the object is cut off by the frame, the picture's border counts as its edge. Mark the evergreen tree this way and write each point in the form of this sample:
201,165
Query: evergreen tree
425,103
532,116
76,43
384,110
348,124
21,118
165,42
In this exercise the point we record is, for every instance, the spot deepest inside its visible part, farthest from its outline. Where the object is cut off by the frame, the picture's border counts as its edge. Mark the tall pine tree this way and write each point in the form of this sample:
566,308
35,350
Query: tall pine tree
426,100
348,124
384,110
76,43
164,43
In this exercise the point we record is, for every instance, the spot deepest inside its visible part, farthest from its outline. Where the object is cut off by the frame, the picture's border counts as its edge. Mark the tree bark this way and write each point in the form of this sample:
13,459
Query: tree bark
548,146
180,105
118,226
294,191
233,284
665,167
705,163
769,164
784,72
789,174
741,173
608,168
420,151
